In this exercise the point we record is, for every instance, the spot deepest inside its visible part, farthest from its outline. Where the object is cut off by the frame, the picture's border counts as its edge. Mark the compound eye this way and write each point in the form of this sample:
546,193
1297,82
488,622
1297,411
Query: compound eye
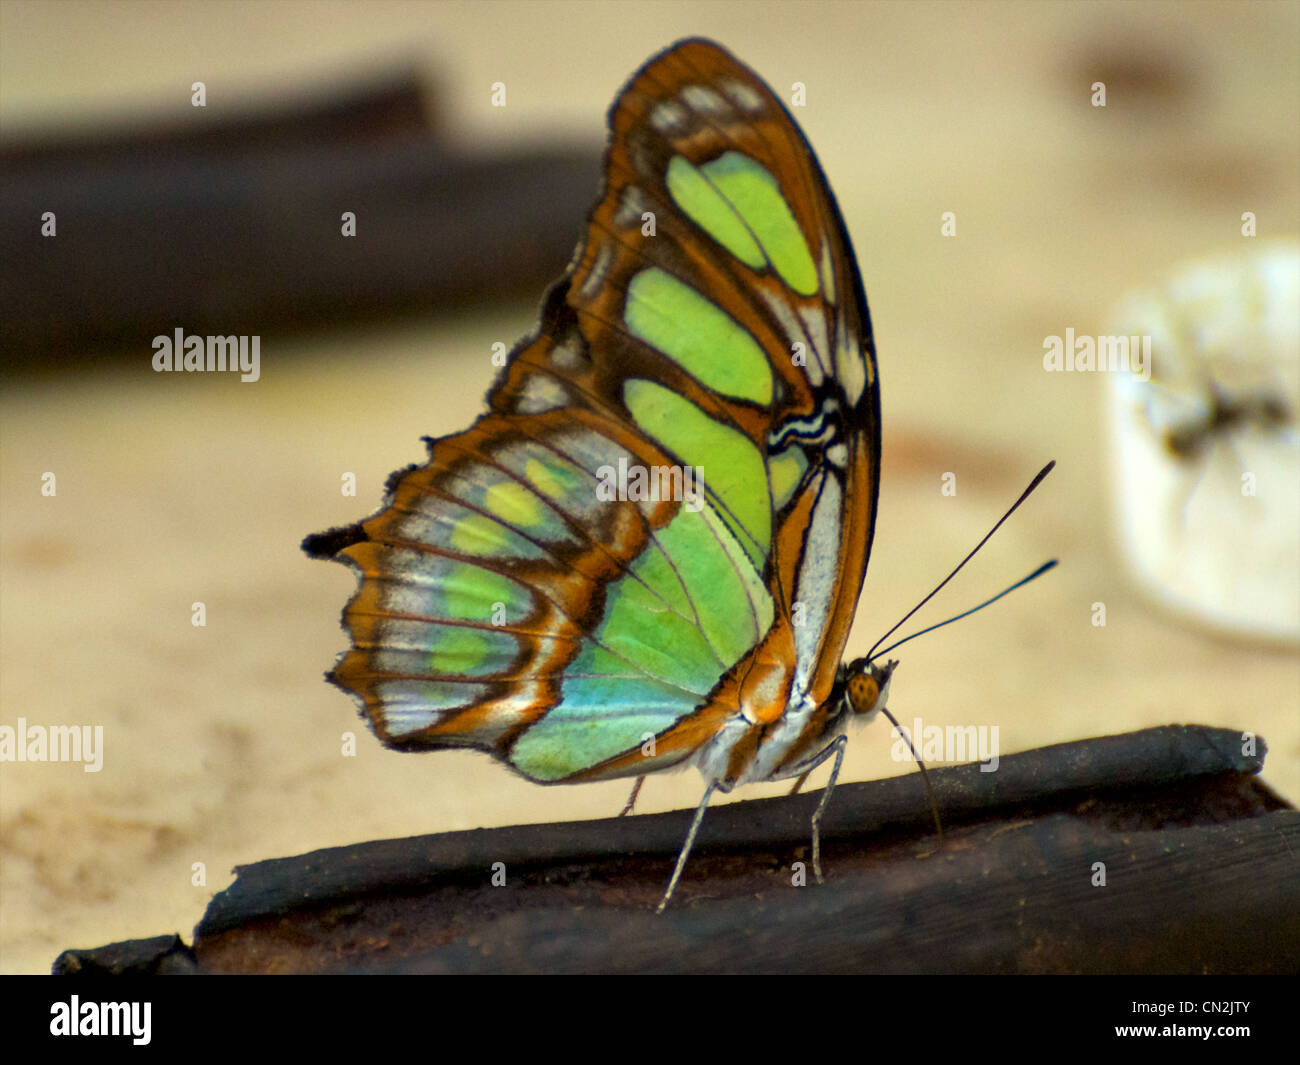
863,691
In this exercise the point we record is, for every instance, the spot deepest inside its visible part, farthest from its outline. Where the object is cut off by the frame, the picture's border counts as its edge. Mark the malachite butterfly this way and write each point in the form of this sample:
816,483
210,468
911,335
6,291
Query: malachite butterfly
649,550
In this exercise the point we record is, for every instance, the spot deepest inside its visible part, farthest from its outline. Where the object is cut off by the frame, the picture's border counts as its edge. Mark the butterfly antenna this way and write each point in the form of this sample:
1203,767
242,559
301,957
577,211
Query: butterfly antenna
925,777
1051,564
1010,510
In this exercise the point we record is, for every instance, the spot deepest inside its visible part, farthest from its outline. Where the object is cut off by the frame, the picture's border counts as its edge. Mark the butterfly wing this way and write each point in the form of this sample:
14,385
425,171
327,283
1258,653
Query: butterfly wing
520,595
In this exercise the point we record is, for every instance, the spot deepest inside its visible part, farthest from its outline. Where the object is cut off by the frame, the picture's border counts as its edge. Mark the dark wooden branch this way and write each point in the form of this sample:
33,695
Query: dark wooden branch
1202,863
159,956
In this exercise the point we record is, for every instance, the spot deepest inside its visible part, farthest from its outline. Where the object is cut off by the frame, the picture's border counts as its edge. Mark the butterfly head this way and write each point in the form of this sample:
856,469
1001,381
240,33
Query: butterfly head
864,687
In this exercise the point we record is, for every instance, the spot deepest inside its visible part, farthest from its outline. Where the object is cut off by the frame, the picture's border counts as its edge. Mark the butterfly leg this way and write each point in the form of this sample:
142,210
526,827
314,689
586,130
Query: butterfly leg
800,782
631,799
715,785
836,749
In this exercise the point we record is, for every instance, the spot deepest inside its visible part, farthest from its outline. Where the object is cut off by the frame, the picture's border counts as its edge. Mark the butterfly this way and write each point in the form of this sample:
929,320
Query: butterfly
649,550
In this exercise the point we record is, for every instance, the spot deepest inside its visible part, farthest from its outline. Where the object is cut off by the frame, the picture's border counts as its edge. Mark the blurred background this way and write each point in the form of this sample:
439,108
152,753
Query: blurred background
222,743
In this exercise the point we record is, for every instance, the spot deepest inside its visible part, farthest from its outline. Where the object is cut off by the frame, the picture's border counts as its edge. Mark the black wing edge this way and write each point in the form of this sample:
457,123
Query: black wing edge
327,544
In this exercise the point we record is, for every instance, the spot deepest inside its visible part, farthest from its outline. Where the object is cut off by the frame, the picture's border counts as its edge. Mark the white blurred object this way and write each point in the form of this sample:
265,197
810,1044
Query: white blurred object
1206,454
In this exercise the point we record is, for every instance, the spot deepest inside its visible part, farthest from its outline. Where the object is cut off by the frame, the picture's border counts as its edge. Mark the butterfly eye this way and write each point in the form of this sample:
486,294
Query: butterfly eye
867,687
862,691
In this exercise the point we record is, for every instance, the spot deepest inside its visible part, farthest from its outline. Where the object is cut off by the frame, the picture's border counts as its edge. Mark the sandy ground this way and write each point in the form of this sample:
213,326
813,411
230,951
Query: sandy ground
223,744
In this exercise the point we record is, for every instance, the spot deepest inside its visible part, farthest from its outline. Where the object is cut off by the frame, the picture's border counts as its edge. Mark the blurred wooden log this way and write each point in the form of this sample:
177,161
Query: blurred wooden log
237,230
385,105
1201,859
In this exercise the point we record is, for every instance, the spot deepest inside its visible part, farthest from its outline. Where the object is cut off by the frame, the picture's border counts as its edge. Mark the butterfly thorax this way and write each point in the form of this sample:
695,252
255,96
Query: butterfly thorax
787,747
